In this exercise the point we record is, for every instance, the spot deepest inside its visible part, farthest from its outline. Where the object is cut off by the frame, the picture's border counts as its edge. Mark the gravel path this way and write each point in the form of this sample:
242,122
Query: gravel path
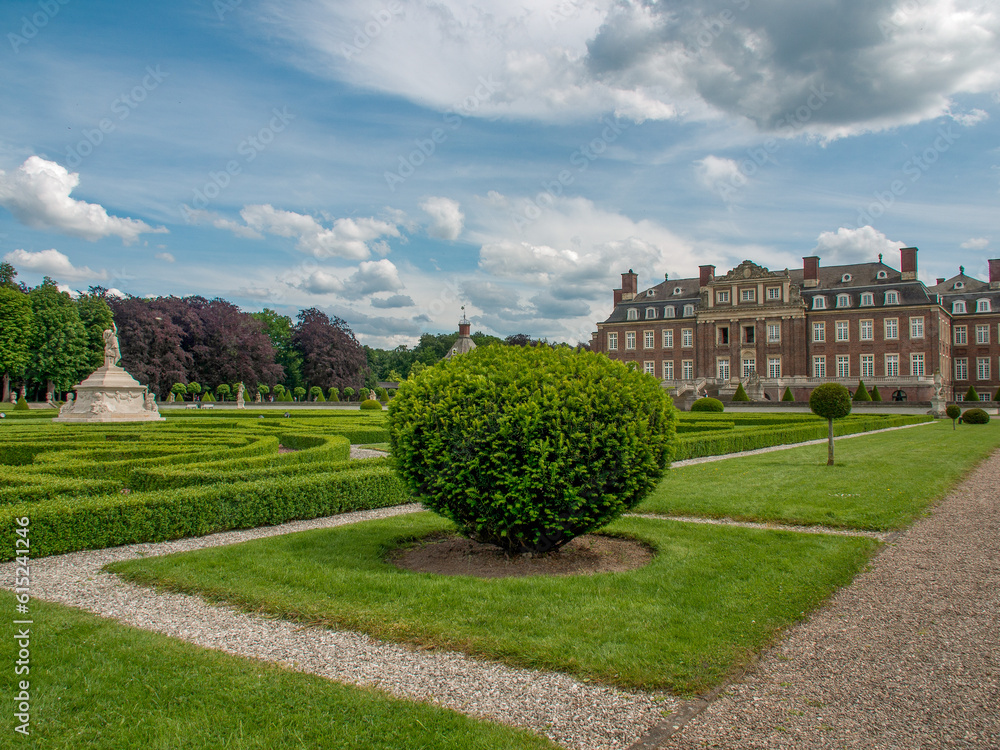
906,657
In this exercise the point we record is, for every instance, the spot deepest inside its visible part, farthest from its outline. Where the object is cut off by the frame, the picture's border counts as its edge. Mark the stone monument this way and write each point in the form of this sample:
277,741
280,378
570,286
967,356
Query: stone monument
110,394
938,402
240,403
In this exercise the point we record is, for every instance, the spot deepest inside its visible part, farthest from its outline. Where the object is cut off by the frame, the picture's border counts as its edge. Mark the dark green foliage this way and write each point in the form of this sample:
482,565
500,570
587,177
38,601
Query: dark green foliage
179,390
381,394
348,393
223,390
299,392
954,411
787,396
21,404
208,396
194,389
876,396
707,404
831,400
861,393
333,395
975,416
971,395
370,404
741,394
526,448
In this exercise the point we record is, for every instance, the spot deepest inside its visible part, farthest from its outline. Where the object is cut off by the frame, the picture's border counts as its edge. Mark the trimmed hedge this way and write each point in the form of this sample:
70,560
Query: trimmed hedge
975,416
370,404
707,404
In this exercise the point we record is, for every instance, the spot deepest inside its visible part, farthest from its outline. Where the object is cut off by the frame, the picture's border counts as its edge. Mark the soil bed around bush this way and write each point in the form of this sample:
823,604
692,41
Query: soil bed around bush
448,554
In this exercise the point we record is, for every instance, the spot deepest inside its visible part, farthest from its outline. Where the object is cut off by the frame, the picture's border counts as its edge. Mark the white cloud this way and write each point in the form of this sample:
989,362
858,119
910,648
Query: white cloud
38,195
713,171
353,239
970,118
201,216
166,257
447,215
975,243
394,301
52,263
115,292
68,290
854,246
372,276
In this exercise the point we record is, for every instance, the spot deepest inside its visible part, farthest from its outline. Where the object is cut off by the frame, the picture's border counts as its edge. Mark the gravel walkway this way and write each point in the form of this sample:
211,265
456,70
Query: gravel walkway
906,657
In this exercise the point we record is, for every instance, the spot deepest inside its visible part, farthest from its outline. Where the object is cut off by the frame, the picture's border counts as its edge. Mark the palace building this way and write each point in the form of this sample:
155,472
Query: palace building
802,327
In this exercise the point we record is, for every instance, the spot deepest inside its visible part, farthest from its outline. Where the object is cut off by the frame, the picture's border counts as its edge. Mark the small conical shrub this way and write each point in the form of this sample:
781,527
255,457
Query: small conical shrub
208,396
740,395
876,396
21,404
971,395
997,397
333,395
788,395
861,394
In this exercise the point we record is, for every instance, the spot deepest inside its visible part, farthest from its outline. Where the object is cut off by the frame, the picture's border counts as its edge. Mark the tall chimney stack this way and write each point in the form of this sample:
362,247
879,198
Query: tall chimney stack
908,263
630,285
706,275
810,271
994,273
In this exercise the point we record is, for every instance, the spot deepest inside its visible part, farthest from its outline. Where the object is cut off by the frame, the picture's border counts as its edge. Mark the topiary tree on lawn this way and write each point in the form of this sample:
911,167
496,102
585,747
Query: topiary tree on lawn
179,390
975,416
222,390
348,394
529,447
707,404
299,392
741,394
263,390
876,396
954,411
193,389
315,393
830,401
971,395
333,395
861,394
381,394
788,395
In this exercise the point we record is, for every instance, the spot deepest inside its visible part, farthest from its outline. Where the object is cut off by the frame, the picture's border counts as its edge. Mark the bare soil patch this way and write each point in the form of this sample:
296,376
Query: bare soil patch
282,449
448,554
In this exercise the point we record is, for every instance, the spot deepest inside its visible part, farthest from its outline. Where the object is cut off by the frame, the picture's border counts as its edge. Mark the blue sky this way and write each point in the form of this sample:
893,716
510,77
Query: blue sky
391,161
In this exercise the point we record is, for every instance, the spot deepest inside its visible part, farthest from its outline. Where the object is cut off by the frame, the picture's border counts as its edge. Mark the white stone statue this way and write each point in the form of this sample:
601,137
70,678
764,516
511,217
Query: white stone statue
170,397
372,396
68,406
100,404
112,352
257,399
240,403
13,396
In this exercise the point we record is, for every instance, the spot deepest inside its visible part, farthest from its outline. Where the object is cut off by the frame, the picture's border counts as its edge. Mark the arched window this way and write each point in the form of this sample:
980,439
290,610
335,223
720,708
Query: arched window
669,312
632,314
892,298
843,300
650,313
819,302
881,275
958,306
867,299
982,305
845,278
688,311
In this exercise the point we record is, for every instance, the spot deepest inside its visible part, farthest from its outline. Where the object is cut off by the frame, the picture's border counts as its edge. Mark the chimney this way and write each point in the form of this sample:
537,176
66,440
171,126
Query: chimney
810,271
908,263
994,273
706,275
618,297
939,281
630,285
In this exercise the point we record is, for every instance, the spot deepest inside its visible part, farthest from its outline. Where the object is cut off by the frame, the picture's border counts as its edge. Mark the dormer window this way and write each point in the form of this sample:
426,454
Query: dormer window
843,300
688,311
632,314
892,298
650,313
819,303
959,285
677,290
669,312
958,306
982,305
881,275
845,278
867,299
651,293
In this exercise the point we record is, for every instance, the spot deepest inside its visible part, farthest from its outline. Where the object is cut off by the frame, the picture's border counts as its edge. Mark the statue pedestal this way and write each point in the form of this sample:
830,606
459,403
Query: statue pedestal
110,395
938,406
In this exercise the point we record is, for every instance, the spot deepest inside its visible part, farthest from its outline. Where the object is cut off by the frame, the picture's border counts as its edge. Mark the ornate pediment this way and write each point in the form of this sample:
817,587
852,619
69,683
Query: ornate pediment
747,271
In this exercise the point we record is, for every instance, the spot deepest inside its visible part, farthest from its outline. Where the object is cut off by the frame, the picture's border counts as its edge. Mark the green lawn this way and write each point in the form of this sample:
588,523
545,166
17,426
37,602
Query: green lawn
880,481
98,684
711,598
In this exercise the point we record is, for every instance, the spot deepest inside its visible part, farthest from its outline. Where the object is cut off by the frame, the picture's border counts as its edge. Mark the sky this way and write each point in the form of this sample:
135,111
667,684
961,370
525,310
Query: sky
391,161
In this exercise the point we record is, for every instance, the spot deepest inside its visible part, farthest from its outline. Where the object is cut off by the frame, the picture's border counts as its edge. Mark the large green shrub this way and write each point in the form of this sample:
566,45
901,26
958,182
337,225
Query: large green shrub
831,401
788,395
971,395
862,394
529,447
370,403
741,394
975,416
707,404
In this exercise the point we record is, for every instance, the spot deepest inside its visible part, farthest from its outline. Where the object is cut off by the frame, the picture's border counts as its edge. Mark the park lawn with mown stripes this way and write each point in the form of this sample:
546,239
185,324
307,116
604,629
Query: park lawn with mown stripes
880,481
711,598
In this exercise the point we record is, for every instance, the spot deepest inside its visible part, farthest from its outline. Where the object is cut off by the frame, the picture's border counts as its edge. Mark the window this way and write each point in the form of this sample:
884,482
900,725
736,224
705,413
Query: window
892,328
630,340
958,306
843,300
722,335
612,341
982,368
819,303
982,305
687,369
677,290
722,297
845,278
774,367
819,331
961,339
984,396
961,368
748,295
669,311
722,367
688,311
867,365
892,365
819,367
982,334
650,292
668,338
892,298
687,338
917,365
749,367
881,275
650,313
867,328
749,334
916,328
773,332
959,285
843,366
774,292
632,314
842,331
668,369
649,368
648,339
867,299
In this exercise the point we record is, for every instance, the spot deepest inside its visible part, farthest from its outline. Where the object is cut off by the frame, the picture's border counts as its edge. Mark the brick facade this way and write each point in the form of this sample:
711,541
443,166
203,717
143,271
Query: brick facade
802,327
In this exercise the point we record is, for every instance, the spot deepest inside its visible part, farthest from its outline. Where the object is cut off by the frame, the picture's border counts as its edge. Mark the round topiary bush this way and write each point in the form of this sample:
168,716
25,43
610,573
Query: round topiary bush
975,416
370,403
529,447
707,404
830,401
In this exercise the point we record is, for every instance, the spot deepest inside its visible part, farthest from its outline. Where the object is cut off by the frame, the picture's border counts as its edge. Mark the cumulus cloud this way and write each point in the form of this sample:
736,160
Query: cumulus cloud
396,300
347,238
38,194
975,243
713,171
970,118
68,290
854,246
372,276
52,263
447,215
833,69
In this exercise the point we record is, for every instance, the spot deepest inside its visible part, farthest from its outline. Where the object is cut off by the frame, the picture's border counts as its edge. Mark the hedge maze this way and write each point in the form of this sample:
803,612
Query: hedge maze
95,486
